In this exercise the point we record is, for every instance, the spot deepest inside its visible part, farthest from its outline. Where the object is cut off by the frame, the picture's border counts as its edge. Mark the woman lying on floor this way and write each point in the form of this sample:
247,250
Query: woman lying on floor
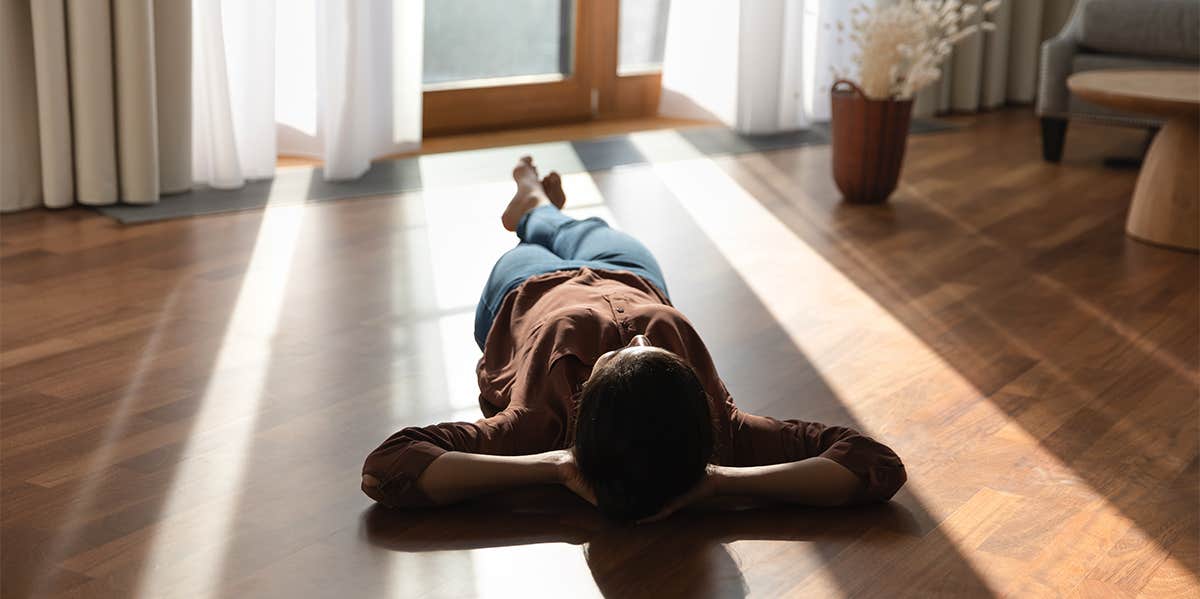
592,380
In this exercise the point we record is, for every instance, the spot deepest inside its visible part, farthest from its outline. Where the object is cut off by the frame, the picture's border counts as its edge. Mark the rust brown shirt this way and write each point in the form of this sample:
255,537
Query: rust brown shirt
540,350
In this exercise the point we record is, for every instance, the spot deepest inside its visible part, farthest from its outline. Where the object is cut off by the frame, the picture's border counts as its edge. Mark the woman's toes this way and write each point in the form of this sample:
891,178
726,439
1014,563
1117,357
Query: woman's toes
552,183
524,169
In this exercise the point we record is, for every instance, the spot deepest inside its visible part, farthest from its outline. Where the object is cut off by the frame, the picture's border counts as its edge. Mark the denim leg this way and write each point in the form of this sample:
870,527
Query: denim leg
516,265
589,240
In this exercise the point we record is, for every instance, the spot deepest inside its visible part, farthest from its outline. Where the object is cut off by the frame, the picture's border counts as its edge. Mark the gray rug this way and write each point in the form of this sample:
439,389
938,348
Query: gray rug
291,186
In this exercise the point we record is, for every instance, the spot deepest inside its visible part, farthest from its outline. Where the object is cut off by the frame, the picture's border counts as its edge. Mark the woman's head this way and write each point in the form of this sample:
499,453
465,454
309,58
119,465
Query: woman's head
643,433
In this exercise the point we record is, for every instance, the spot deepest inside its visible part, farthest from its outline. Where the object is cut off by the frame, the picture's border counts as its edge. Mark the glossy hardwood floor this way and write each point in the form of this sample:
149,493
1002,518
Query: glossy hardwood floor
186,404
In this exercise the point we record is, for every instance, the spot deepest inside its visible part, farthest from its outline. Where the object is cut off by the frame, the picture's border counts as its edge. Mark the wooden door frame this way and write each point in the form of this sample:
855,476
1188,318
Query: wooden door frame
592,90
619,96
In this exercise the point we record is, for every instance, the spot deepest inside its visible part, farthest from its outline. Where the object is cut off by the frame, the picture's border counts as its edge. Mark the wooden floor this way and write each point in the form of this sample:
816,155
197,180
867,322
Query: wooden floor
186,404
513,137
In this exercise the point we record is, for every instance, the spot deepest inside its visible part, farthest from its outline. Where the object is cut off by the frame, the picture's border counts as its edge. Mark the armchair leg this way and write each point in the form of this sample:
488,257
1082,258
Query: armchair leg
1054,131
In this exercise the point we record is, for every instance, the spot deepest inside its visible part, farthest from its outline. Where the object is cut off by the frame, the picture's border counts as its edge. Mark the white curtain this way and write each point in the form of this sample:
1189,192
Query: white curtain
998,67
91,94
233,92
763,66
760,66
368,82
338,80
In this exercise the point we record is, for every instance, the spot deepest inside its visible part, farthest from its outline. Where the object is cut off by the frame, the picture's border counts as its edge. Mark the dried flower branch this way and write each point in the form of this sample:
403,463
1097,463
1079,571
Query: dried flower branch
900,46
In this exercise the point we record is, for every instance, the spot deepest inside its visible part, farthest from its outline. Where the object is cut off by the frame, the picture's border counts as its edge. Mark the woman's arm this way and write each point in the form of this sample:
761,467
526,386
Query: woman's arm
395,472
805,463
786,450
454,476
814,481
391,472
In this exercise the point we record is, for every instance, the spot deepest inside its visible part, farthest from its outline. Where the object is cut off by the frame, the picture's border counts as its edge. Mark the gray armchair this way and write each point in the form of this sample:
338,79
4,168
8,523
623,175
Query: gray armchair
1111,34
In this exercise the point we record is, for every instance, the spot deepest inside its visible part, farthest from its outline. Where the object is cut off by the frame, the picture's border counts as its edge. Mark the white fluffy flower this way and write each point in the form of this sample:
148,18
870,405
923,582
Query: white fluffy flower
901,45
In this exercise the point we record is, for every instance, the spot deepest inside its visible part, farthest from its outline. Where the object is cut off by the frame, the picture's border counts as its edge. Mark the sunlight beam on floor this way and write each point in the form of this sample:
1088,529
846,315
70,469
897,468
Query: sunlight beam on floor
190,542
852,341
101,461
1080,302
454,249
459,241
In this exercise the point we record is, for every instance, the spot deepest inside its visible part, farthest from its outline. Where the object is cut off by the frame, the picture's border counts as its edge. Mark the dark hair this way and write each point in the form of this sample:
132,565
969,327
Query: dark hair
643,433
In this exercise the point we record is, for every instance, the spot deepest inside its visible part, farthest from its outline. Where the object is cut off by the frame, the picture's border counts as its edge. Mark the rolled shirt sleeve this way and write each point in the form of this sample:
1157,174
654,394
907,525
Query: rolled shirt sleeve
401,459
760,441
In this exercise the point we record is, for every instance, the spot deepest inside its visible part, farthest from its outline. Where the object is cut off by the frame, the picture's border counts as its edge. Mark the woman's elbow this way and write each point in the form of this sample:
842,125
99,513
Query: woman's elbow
370,486
884,483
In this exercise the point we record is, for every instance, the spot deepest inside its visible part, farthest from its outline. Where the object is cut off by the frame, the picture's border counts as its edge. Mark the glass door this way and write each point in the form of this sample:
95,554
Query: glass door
492,65
642,36
632,59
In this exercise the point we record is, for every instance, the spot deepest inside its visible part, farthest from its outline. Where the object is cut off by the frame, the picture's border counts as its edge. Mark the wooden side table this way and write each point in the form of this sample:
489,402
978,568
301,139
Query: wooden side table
1166,201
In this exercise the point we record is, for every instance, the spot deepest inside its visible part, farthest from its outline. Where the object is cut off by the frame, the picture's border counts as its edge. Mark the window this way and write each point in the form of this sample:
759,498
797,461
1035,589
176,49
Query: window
490,65
642,36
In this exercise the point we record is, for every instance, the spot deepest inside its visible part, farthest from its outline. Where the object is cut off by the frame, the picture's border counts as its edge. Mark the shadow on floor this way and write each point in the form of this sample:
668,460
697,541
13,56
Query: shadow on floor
686,555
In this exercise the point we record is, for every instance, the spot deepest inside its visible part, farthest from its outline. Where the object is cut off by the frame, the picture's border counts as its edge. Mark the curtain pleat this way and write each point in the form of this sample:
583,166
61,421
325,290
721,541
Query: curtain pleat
747,62
96,101
89,40
137,115
48,20
173,81
701,61
368,96
995,58
20,160
342,52
988,70
968,67
214,144
249,37
1024,37
347,86
944,87
140,98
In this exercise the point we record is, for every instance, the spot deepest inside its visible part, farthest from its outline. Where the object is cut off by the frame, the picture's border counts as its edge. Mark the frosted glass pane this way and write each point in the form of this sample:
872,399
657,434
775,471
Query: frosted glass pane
480,39
643,34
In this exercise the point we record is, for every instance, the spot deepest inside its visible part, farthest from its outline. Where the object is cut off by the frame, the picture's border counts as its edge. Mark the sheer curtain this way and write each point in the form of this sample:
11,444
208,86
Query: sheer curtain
337,80
763,66
760,66
233,114
369,58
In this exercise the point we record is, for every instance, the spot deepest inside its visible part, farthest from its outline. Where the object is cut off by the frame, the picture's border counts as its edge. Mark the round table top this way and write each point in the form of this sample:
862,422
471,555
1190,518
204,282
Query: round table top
1165,92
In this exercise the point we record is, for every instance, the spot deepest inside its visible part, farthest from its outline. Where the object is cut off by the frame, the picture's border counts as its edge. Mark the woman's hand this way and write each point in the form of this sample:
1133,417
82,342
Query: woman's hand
707,487
569,476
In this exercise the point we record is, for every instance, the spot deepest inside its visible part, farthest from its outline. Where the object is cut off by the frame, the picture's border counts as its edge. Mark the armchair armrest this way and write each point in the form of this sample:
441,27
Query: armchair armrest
1058,54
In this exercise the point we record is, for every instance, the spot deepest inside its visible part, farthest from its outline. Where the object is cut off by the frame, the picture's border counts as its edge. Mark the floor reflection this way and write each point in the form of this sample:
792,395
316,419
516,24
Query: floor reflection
697,553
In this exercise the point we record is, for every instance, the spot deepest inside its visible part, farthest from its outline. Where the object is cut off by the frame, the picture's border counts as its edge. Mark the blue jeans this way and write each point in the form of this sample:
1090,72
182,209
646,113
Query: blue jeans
551,241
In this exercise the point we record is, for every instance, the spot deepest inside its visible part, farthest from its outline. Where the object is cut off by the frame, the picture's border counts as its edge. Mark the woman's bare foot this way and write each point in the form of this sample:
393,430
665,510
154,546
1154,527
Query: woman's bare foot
552,183
530,193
